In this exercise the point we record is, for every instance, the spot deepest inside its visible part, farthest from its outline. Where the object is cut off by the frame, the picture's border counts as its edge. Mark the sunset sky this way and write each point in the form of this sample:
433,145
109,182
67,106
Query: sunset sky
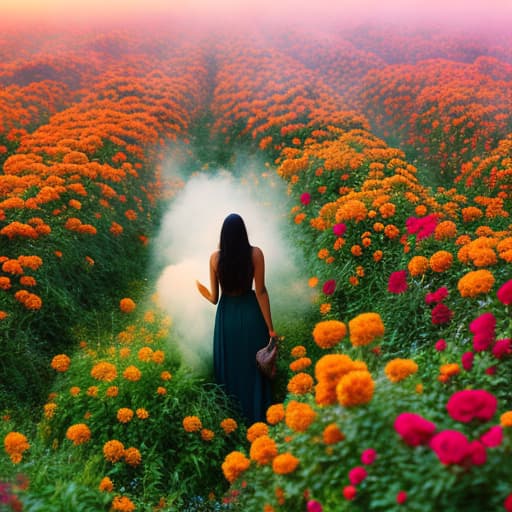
471,11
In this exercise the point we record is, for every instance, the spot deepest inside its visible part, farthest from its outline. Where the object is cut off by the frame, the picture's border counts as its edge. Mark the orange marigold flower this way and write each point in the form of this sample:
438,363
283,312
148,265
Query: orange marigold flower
332,434
377,256
263,450
15,444
275,414
132,456
506,419
124,415
78,433
329,333
256,430
325,308
158,357
112,391
27,281
234,465
104,371
207,434
106,485
49,410
312,282
298,351
192,424
391,231
331,367
228,425
142,414
300,384
299,416
145,354
399,369
113,450
441,261
284,464
365,328
3,315
475,283
132,373
445,230
300,364
417,266
122,504
160,390
92,391
355,388
74,390
60,363
5,283
165,375
127,305
449,369
356,250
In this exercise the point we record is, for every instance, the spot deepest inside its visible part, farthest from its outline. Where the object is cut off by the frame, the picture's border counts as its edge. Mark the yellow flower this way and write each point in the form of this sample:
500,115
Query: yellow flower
355,388
49,410
145,354
399,369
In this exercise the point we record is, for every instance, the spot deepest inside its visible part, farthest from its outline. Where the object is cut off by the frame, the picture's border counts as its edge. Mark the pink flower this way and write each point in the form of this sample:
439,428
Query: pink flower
467,360
422,227
437,296
491,370
314,506
504,294
441,314
357,475
493,437
502,348
485,323
349,492
401,497
450,446
339,229
368,456
477,453
440,345
508,503
413,428
482,341
305,198
398,282
329,287
470,404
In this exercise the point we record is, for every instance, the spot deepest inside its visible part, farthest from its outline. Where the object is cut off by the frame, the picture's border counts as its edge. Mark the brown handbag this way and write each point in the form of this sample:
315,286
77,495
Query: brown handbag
266,358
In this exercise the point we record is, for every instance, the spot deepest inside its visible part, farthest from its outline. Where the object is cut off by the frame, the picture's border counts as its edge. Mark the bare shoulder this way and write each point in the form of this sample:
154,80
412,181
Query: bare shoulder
257,254
214,258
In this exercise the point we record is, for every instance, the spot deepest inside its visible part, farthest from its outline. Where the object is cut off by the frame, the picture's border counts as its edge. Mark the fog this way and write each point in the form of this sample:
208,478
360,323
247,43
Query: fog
190,233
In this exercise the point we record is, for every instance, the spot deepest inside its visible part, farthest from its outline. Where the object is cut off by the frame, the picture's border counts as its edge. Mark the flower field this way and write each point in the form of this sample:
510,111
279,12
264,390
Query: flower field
394,388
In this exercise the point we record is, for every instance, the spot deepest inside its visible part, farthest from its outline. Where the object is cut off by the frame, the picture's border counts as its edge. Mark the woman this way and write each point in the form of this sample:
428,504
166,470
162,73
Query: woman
243,322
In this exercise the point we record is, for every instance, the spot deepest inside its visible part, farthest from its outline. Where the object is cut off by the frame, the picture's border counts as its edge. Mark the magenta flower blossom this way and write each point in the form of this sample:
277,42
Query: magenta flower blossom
401,497
471,404
314,506
413,428
467,360
305,198
441,314
485,323
368,456
502,348
357,475
397,282
422,227
493,437
438,296
504,294
349,492
440,345
450,446
477,453
329,287
339,229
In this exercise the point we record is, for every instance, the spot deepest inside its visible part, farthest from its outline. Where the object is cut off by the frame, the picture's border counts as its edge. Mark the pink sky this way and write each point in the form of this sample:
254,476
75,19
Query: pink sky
473,11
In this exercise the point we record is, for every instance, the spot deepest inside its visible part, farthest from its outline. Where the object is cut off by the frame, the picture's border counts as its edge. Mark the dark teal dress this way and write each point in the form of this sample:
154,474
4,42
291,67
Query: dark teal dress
240,331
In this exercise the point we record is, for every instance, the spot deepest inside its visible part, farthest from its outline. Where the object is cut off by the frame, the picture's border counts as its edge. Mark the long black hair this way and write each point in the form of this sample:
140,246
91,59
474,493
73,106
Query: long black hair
235,266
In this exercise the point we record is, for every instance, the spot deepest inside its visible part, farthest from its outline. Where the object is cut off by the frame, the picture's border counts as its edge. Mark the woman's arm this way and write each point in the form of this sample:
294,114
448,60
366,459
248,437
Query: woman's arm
258,261
213,295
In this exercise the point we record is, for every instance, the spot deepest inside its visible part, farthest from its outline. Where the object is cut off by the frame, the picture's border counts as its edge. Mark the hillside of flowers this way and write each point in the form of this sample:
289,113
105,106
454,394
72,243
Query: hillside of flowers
392,391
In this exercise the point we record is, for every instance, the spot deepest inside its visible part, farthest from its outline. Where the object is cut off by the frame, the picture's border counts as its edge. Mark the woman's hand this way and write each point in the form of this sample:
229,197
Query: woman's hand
203,290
